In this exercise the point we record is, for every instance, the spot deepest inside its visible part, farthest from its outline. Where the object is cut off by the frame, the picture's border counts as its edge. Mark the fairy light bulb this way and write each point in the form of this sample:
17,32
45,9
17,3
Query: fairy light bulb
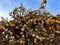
37,36
21,41
21,32
57,32
33,35
6,36
6,29
11,33
7,24
17,27
22,29
3,32
3,27
36,29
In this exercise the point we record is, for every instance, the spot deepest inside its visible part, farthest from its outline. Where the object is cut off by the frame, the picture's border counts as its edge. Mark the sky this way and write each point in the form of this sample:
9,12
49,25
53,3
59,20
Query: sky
7,6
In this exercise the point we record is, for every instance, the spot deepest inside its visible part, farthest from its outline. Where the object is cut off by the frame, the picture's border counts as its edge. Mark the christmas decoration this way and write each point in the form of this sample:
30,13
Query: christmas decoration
30,27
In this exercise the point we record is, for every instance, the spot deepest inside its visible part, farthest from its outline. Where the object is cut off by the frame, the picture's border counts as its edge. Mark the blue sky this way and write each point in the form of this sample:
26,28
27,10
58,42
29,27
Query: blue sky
8,5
